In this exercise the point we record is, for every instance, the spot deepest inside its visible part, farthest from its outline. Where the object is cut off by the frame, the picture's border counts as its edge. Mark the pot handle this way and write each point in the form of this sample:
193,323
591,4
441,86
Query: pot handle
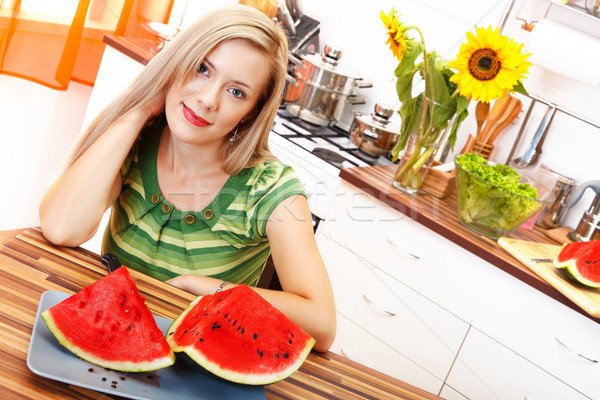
359,83
354,99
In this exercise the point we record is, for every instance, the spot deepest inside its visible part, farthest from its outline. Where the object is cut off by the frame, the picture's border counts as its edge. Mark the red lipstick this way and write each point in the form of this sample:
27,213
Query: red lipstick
193,118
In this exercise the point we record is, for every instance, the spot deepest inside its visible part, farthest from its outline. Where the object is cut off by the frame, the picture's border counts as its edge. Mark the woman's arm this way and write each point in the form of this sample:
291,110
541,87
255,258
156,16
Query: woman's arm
307,298
72,209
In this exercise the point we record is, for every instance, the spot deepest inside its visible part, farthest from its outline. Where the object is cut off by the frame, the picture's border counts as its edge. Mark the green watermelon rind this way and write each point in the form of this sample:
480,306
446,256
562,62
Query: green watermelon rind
128,366
570,264
245,378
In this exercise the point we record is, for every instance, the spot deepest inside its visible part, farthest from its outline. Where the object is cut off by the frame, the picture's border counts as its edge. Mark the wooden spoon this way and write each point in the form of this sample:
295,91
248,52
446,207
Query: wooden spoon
481,112
497,110
512,110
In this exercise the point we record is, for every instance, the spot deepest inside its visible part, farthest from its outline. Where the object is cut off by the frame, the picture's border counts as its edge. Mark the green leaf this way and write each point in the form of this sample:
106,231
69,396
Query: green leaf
519,88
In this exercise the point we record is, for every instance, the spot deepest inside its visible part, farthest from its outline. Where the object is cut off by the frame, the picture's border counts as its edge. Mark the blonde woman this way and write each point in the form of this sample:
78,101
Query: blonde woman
182,158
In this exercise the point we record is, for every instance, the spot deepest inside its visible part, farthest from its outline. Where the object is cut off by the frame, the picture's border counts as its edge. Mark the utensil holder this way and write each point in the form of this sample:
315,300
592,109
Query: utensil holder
483,149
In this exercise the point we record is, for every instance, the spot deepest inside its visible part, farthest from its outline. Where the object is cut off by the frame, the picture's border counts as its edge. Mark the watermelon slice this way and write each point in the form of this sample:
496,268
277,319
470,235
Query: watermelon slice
581,260
239,336
108,324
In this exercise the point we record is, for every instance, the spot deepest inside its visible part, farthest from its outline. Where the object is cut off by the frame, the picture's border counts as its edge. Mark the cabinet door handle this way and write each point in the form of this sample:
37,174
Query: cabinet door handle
574,352
383,310
393,243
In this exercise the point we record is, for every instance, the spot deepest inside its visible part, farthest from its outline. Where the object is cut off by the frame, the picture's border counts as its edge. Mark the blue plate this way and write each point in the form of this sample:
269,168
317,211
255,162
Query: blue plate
182,380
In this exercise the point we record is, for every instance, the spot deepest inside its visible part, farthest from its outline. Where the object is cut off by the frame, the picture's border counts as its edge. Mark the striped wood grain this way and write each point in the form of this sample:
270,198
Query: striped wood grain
29,266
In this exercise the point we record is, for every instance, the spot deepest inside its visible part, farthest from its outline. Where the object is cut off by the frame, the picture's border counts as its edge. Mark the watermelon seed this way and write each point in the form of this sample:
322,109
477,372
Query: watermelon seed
260,353
206,315
172,332
185,331
225,316
291,334
113,386
290,341
243,330
286,355
90,369
201,340
122,378
103,379
114,382
150,377
192,330
255,335
234,322
276,355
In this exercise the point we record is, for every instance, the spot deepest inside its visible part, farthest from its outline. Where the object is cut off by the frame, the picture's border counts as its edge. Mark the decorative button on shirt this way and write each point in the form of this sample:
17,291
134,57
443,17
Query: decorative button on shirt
189,219
166,208
208,214
155,198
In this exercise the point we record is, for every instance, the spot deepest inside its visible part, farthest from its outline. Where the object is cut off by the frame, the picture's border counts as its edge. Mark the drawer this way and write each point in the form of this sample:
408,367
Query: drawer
353,342
485,369
377,232
395,314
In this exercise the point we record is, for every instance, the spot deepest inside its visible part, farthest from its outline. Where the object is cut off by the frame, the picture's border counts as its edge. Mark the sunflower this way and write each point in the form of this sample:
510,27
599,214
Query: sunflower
489,65
396,33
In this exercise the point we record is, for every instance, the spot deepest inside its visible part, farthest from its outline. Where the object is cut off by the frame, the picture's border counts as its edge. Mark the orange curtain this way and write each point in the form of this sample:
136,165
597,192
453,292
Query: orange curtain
53,51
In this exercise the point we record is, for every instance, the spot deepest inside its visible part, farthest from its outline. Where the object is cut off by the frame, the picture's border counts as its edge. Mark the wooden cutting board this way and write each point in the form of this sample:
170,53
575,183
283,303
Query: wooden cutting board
586,298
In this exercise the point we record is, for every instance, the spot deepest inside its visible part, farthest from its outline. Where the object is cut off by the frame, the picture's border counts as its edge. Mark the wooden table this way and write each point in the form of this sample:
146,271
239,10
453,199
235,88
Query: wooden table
29,265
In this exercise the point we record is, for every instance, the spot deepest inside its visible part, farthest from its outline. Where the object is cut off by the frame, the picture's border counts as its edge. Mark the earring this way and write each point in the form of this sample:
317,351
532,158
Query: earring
232,139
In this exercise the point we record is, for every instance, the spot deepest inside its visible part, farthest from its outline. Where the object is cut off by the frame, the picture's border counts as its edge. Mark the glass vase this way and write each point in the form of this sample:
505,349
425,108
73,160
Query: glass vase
422,145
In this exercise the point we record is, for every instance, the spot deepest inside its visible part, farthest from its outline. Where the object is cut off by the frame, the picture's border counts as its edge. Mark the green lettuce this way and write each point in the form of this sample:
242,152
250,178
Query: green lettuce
498,200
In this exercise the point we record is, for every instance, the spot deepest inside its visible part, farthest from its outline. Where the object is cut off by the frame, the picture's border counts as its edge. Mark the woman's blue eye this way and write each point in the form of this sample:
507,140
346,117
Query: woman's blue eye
237,93
202,69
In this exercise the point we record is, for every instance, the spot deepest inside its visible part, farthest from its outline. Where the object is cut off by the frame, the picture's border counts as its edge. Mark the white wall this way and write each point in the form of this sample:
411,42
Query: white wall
571,147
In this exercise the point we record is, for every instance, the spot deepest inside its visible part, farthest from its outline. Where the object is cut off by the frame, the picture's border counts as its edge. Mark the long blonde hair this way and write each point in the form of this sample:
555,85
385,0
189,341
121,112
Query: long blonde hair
181,58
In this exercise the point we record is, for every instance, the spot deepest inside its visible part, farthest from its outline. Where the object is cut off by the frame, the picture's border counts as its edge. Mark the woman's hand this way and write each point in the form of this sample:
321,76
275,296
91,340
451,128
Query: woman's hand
155,106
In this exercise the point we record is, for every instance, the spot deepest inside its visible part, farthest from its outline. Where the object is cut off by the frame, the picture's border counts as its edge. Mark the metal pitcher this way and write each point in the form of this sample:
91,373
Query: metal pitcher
589,226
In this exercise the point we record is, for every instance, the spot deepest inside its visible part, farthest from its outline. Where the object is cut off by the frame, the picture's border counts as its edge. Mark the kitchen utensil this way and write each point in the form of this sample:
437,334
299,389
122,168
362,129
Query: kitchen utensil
286,19
551,215
521,130
485,145
589,225
324,86
481,113
375,133
533,153
468,145
510,113
295,9
526,251
497,109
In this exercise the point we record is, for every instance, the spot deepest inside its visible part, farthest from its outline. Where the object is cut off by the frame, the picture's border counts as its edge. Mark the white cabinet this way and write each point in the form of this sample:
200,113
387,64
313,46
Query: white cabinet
524,321
485,369
387,325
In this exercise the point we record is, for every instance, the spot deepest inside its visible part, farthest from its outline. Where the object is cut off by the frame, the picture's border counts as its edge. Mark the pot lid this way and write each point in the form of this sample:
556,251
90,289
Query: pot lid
384,118
330,61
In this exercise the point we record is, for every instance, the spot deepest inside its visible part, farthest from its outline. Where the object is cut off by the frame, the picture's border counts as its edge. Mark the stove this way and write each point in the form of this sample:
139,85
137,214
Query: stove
330,143
317,153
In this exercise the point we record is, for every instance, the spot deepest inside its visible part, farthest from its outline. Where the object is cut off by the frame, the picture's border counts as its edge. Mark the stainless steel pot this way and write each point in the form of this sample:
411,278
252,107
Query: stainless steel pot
322,87
375,133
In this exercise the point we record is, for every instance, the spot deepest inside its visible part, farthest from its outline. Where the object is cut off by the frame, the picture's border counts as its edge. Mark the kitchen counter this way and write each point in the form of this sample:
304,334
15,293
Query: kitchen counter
30,265
441,216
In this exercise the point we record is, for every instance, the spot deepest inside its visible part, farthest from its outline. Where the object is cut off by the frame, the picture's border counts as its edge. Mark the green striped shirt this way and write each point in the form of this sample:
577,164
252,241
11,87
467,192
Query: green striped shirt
225,240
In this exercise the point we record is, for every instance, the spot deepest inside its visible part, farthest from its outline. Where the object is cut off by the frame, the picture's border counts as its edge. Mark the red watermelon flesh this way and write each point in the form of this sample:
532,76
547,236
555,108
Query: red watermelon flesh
108,324
239,336
581,260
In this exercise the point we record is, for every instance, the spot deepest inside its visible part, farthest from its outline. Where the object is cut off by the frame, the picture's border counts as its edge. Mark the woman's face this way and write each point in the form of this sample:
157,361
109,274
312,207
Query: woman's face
222,92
